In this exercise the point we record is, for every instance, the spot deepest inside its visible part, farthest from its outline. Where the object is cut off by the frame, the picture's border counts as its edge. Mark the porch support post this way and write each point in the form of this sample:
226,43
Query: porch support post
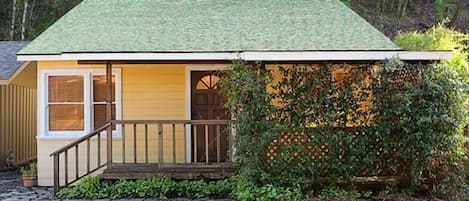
109,113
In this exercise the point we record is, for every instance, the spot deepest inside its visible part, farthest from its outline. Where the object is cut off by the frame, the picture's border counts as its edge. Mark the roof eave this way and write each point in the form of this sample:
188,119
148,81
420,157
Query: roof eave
248,56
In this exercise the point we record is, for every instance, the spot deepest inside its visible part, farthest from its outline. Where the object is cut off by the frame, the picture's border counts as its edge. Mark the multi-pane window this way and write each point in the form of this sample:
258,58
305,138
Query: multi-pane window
66,103
76,101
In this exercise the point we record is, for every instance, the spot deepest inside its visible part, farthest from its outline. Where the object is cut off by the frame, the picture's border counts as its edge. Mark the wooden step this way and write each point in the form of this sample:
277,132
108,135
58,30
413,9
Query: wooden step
174,171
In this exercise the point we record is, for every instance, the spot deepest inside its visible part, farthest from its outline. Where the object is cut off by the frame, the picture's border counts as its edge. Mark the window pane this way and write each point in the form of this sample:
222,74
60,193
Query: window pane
66,88
99,114
99,88
66,117
208,82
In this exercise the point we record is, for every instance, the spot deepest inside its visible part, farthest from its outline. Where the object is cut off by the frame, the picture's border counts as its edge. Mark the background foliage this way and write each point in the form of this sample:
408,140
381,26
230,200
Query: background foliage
440,38
38,16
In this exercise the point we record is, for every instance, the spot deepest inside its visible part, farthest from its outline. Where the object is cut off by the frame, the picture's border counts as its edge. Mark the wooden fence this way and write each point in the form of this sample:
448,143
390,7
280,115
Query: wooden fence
17,125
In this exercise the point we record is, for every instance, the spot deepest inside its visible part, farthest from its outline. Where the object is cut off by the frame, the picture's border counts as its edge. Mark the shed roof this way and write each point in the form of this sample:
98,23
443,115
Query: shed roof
8,62
103,26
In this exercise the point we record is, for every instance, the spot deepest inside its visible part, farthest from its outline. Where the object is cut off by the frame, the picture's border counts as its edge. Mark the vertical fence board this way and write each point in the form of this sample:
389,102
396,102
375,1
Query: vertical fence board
17,123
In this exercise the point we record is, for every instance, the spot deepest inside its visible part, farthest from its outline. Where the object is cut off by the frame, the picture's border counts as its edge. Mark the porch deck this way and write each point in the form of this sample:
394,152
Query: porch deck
175,171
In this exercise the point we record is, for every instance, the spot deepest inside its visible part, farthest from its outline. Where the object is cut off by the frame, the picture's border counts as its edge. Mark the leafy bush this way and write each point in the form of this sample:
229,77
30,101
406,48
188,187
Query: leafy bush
440,38
89,187
334,192
247,191
163,188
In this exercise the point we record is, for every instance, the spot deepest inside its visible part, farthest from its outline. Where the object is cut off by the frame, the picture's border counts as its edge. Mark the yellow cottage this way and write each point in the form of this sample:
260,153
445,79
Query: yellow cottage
128,89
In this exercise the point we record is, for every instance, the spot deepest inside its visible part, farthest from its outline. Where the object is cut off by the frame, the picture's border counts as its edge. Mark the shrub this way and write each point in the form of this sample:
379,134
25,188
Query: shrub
162,188
89,187
247,191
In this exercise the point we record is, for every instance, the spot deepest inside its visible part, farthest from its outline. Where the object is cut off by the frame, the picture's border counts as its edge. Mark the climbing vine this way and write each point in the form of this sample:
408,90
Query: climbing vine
298,125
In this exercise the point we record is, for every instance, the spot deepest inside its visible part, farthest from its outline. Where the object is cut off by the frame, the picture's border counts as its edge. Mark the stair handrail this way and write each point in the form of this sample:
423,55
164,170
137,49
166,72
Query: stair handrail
74,144
81,139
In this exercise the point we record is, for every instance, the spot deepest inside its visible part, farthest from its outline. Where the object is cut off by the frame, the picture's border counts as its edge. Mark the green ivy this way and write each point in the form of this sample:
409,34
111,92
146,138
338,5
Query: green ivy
413,127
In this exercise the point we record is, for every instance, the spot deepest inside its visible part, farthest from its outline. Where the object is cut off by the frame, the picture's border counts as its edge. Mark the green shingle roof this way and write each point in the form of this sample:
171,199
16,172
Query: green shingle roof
208,26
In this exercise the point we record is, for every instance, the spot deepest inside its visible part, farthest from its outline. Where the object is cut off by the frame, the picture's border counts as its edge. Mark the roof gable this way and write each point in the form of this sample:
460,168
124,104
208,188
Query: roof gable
8,62
209,26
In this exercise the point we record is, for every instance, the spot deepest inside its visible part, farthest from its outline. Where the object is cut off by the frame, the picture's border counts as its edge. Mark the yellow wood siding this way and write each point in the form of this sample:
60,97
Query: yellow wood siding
27,76
17,123
148,92
153,92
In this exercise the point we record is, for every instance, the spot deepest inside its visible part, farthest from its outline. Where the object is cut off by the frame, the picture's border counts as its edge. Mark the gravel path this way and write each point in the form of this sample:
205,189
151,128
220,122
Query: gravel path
11,188
8,180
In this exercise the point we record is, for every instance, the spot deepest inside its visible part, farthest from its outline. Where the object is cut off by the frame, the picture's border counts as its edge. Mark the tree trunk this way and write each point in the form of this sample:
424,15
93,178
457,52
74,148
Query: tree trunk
31,10
13,18
404,8
23,21
401,8
380,6
457,13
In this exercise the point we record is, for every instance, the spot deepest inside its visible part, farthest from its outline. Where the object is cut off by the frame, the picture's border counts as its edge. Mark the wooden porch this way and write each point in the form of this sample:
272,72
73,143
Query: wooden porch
132,149
132,154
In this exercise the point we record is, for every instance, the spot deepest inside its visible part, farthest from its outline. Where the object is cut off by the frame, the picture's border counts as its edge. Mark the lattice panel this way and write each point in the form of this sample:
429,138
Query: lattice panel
319,151
286,140
404,75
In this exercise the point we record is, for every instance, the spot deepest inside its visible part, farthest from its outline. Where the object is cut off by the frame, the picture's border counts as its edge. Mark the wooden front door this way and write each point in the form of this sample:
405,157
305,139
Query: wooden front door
208,104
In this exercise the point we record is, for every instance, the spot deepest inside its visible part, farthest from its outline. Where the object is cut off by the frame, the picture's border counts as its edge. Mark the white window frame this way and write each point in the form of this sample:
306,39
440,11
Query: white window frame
88,102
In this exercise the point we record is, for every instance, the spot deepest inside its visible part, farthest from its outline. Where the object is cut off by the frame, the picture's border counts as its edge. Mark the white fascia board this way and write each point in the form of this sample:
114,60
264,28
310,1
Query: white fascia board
132,56
345,55
251,56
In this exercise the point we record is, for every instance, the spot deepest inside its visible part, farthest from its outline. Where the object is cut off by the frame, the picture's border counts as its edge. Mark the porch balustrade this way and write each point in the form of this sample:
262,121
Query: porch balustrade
161,144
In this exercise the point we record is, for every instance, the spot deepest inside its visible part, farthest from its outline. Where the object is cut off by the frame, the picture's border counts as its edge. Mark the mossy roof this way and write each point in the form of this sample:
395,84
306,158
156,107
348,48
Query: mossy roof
208,26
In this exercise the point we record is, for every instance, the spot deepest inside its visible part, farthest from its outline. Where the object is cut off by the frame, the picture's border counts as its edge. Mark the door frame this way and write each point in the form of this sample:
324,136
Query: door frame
188,72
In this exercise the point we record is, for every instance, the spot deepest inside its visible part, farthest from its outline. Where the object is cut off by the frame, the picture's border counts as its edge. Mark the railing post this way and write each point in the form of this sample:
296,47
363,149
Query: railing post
218,144
109,113
56,173
206,144
160,145
109,146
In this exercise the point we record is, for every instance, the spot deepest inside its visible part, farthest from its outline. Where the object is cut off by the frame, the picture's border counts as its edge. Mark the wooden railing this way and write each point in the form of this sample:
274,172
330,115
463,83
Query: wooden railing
96,134
128,134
